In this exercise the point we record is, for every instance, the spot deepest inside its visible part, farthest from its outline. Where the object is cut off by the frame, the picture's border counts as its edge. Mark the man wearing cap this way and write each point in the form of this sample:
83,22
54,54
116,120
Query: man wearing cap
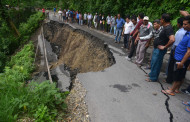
166,39
145,29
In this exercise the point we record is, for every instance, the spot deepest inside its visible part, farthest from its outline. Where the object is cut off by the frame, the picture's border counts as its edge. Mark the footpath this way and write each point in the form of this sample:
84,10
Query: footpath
121,94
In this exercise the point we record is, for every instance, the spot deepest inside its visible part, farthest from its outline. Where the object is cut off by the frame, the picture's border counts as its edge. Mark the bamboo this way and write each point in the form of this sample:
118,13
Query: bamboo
45,54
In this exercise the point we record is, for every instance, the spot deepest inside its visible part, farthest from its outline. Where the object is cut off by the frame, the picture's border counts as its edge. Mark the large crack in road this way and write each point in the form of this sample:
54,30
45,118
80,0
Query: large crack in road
167,99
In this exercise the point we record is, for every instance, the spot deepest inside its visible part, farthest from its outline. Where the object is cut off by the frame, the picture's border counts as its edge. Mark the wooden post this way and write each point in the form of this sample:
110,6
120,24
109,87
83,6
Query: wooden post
45,54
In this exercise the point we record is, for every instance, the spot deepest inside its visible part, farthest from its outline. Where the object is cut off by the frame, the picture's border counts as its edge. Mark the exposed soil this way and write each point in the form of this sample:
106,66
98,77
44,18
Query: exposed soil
77,49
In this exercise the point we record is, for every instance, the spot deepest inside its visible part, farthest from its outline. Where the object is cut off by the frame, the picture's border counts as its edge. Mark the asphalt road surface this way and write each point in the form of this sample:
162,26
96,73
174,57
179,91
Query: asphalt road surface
121,94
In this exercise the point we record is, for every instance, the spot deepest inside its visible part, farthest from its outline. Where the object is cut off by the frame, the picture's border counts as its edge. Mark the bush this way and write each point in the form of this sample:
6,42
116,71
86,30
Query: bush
50,5
21,65
10,42
36,101
30,26
6,38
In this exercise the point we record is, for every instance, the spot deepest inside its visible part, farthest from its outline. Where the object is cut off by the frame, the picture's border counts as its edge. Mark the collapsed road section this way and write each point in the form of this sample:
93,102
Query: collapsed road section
77,49
70,51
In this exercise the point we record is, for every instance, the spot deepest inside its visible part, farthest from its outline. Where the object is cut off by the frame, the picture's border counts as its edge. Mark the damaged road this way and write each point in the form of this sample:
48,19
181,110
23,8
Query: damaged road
119,92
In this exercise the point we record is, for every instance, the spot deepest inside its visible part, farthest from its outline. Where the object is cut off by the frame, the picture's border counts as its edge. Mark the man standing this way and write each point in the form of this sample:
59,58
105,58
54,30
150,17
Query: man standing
54,10
67,15
134,35
108,20
145,30
80,19
113,25
64,16
99,24
102,22
166,38
85,18
60,14
77,17
70,16
155,34
126,31
89,20
43,11
120,22
95,20
47,13
134,21
182,58
178,37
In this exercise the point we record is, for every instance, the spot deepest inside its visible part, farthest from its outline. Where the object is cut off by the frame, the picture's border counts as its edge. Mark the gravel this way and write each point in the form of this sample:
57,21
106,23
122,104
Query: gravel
77,108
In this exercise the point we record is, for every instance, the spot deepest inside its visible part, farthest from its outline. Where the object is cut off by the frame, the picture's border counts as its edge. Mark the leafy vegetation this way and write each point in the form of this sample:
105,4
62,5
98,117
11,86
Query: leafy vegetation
9,41
37,101
26,29
19,100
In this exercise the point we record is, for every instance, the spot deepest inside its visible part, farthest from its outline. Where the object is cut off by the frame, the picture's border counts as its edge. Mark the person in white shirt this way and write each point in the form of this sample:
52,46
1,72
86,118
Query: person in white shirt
113,25
108,20
80,19
128,28
67,16
60,14
89,19
95,20
47,13
85,18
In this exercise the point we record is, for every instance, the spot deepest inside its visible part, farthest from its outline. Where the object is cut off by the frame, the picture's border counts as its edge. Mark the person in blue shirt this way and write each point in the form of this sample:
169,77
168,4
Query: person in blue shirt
71,16
182,59
54,9
77,17
120,22
178,37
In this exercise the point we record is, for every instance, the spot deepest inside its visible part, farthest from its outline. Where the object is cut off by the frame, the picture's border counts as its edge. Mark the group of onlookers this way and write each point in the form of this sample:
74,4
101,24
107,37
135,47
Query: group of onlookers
141,34
138,34
99,22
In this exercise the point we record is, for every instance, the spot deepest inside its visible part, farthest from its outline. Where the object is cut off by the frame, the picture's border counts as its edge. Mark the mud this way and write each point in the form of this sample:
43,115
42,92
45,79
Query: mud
77,49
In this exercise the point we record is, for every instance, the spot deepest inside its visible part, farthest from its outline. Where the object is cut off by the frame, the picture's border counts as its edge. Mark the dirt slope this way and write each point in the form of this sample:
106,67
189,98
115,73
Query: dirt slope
78,49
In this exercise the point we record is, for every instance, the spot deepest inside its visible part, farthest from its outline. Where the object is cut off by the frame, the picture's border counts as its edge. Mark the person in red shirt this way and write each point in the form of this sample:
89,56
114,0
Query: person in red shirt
134,35
43,11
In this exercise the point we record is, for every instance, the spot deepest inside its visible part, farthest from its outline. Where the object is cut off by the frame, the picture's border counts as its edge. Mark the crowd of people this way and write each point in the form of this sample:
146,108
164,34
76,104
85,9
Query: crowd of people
139,33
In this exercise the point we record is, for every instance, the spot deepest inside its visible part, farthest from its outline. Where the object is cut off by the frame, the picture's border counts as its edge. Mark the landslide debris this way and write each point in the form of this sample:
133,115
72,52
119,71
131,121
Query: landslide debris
77,49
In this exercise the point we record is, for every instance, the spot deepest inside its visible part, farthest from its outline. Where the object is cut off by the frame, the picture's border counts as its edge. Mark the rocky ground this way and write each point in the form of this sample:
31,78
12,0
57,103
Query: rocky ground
78,111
